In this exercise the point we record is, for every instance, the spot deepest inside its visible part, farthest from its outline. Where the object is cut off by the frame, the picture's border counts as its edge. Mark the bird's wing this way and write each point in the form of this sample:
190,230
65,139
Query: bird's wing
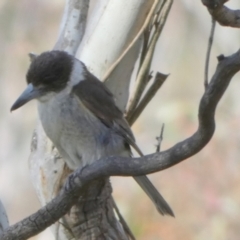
96,97
100,102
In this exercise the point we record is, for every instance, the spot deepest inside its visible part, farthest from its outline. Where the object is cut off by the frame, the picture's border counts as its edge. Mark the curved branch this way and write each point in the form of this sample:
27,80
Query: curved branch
222,14
119,166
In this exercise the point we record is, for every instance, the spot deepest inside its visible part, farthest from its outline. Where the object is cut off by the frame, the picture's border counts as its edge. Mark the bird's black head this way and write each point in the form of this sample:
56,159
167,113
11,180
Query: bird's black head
48,72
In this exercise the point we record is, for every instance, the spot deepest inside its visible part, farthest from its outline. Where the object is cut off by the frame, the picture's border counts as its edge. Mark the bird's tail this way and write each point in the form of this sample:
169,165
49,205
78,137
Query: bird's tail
161,205
159,202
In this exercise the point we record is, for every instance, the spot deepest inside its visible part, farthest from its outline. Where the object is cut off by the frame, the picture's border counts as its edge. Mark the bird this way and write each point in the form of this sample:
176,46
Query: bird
79,115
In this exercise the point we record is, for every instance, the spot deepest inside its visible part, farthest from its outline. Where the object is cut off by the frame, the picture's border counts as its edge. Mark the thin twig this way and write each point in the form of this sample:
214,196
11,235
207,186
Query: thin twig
144,71
122,221
157,83
159,139
151,12
146,36
210,41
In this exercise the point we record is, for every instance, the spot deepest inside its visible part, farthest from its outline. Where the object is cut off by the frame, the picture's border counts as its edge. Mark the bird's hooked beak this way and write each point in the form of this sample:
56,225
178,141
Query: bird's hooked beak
28,94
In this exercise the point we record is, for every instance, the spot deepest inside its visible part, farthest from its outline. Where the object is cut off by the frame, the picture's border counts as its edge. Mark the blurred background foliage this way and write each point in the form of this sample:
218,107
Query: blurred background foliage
203,191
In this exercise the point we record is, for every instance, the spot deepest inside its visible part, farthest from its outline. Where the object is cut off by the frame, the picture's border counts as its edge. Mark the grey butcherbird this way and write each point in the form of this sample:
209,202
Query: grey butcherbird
79,115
